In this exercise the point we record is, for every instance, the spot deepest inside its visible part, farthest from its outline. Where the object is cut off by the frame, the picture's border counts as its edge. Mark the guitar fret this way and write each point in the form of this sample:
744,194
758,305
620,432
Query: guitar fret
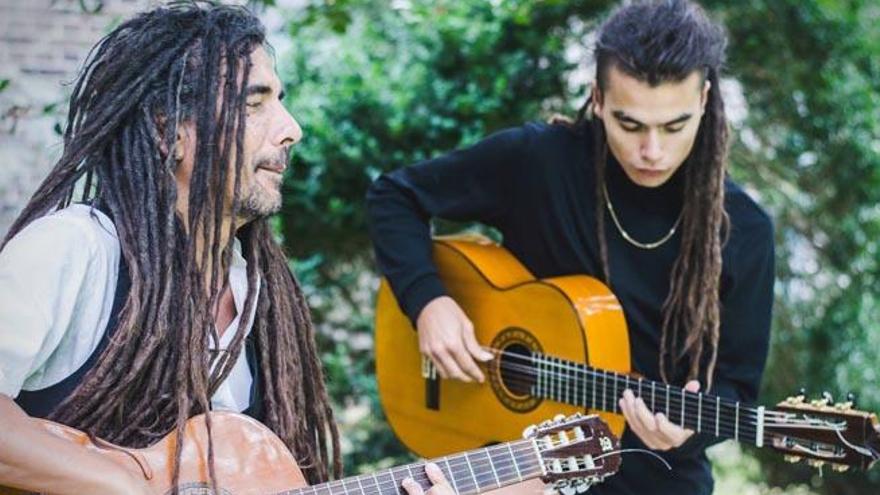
515,464
583,401
360,485
376,480
595,384
682,407
604,388
717,415
653,408
344,489
394,482
667,401
492,467
411,475
565,391
471,469
736,424
640,387
614,394
699,412
451,475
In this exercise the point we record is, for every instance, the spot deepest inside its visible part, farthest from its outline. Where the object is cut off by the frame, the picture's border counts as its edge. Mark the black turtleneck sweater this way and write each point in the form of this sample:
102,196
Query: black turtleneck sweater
536,185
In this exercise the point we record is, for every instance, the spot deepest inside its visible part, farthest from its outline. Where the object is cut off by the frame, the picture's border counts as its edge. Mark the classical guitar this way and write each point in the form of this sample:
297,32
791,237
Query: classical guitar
561,346
574,451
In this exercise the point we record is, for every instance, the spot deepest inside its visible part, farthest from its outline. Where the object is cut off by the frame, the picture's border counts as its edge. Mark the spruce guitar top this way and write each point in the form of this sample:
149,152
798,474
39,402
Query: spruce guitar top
575,451
561,346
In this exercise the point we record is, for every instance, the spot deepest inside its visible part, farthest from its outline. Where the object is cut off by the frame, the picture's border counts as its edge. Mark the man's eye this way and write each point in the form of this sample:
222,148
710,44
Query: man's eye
631,128
254,104
673,129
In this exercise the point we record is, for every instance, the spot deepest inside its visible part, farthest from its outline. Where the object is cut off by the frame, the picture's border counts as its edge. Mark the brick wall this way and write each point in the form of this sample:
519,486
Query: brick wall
42,44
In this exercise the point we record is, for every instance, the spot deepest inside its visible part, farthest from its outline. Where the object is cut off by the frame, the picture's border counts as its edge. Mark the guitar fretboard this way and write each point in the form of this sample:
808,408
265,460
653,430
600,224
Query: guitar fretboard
577,384
471,472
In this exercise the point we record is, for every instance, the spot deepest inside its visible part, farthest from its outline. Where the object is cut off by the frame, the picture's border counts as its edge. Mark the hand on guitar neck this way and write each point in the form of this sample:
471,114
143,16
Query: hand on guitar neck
446,336
435,476
654,428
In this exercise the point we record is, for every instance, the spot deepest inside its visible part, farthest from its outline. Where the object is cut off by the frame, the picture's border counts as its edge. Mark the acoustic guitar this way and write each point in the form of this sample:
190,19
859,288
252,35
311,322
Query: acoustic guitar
566,452
561,346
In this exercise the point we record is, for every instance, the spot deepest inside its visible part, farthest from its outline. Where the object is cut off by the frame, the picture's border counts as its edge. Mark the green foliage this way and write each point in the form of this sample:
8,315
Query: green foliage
378,85
377,88
811,147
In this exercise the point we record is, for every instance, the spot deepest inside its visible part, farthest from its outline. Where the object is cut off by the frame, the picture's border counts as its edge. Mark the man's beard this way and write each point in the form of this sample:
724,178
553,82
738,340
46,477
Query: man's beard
257,203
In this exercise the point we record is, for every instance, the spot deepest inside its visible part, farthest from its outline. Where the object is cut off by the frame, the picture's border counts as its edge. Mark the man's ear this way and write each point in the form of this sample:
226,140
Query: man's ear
180,142
704,97
596,101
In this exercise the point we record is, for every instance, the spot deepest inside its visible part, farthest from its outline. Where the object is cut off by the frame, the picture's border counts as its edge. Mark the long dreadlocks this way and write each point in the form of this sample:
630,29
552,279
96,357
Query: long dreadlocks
666,41
139,84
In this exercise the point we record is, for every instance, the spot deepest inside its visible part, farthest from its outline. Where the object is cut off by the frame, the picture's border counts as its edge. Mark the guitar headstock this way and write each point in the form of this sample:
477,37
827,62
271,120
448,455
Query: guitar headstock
823,433
575,451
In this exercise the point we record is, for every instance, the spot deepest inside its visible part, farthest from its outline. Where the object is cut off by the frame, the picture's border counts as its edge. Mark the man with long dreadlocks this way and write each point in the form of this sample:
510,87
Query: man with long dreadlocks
141,284
634,191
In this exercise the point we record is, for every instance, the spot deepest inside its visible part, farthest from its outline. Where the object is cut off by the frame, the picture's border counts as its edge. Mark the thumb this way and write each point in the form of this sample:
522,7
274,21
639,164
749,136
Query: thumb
692,386
474,348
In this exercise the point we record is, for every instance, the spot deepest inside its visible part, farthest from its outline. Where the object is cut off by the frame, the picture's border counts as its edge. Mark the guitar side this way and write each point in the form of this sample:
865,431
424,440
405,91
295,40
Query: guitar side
572,317
249,458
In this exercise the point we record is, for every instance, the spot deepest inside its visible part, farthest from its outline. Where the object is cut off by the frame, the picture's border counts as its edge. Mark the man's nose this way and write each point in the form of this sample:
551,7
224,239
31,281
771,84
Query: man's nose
651,150
290,131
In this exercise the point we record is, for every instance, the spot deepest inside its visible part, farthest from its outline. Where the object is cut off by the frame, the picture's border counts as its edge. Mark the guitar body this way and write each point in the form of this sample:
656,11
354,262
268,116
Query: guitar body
249,458
572,317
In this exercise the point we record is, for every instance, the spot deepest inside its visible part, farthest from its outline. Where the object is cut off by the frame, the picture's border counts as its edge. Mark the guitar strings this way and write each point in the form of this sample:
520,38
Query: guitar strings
745,432
457,469
468,468
745,412
585,372
691,407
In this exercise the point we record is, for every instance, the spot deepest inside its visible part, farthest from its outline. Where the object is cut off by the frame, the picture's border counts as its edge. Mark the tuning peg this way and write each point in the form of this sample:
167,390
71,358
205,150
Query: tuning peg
851,398
839,467
559,418
792,458
821,402
816,463
826,396
802,392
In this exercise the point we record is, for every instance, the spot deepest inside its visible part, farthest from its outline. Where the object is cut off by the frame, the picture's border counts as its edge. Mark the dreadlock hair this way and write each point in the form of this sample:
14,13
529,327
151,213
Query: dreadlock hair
183,62
656,42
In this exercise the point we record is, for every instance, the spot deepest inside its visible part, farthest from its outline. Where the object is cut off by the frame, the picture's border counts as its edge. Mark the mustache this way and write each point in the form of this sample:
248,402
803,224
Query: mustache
281,158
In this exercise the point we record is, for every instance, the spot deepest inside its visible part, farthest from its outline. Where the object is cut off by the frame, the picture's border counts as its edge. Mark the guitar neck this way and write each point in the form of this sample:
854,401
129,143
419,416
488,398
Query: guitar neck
577,384
470,472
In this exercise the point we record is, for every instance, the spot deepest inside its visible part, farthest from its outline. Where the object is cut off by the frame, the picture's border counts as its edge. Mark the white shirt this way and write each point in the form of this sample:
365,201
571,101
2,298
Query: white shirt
57,284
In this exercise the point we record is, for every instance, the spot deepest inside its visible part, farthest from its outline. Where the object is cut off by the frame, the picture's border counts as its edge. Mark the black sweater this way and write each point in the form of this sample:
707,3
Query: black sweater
536,185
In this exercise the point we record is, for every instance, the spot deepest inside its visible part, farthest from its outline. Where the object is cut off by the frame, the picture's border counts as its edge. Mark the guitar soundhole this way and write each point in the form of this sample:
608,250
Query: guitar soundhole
513,376
517,374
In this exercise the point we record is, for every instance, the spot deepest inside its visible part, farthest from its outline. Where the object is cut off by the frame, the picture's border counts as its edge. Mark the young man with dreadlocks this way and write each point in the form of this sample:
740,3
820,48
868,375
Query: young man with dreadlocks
159,293
635,192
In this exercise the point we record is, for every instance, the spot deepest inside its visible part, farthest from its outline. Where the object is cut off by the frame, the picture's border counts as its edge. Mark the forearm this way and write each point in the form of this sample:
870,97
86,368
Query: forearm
33,459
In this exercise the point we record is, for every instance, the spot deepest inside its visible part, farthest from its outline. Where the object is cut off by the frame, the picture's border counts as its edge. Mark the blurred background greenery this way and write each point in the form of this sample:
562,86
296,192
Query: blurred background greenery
379,85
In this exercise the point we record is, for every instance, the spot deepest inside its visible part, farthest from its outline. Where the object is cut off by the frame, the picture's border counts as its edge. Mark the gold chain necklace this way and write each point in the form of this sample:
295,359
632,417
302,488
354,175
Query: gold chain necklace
625,234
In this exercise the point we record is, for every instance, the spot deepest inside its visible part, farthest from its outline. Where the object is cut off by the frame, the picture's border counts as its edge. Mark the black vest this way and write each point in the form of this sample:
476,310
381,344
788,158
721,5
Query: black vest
41,403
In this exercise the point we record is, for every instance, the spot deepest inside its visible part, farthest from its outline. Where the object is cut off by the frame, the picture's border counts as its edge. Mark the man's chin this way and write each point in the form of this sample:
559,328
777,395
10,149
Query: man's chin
648,178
